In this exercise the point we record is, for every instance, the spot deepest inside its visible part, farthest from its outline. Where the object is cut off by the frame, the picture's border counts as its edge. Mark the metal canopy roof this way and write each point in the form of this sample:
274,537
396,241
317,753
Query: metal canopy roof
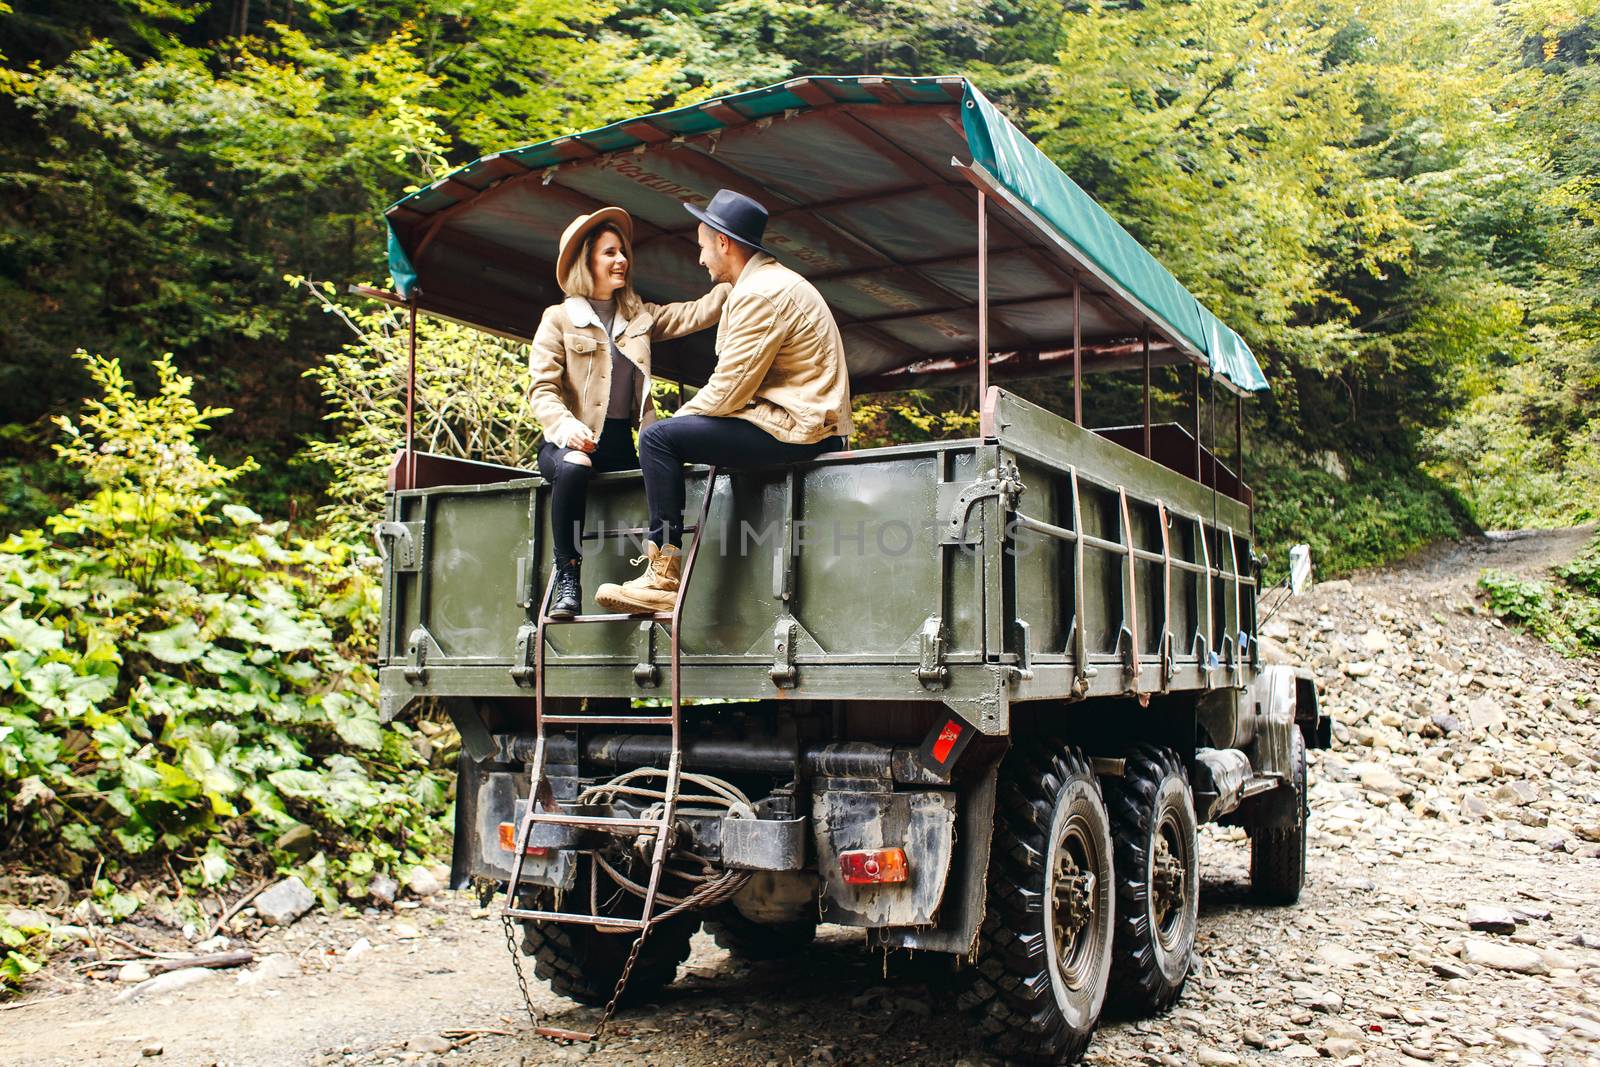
872,184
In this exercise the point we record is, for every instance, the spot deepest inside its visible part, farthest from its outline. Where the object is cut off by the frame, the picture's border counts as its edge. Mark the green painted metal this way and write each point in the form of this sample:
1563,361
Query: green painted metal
857,173
885,574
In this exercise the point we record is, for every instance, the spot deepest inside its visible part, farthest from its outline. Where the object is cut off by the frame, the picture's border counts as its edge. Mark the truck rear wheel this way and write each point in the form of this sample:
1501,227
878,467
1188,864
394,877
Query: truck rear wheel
1278,853
1039,980
747,939
583,964
1158,886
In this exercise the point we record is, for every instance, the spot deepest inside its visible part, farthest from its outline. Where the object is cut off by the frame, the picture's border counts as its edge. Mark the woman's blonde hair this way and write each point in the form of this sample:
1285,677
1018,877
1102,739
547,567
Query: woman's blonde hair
579,281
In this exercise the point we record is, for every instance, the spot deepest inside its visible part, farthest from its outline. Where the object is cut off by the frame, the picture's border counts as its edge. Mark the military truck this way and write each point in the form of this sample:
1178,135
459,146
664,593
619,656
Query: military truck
972,696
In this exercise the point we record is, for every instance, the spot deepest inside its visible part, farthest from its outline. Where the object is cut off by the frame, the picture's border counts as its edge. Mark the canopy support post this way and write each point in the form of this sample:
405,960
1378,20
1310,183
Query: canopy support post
1147,392
983,309
1238,436
1194,407
411,394
1077,351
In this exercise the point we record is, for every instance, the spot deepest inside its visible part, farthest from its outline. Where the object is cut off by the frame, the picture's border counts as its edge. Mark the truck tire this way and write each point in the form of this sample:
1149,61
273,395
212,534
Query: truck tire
1039,978
583,964
747,939
1157,877
1278,853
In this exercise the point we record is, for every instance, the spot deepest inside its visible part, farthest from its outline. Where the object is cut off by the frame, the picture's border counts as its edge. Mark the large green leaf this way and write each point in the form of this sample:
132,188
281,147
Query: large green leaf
25,634
178,644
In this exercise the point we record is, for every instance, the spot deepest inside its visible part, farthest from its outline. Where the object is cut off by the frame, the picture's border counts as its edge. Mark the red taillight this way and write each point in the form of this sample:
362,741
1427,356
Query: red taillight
508,840
871,866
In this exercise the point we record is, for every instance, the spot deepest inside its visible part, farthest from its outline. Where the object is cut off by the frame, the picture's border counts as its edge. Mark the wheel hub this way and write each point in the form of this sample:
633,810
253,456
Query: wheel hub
1168,880
1073,891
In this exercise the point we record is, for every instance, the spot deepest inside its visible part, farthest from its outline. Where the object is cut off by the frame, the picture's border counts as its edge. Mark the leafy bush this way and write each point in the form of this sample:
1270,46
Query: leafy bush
469,402
1376,514
185,683
1565,612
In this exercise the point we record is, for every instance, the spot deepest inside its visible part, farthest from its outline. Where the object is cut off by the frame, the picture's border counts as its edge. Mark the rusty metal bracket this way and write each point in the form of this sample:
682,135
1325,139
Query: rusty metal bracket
931,671
523,668
646,675
406,555
1005,485
784,674
419,648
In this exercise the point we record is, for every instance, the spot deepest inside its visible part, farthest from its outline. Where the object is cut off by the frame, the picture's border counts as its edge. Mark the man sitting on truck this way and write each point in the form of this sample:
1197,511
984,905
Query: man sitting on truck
780,392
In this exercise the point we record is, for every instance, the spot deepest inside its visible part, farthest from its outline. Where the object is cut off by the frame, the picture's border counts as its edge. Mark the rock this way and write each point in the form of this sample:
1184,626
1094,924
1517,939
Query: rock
1310,996
361,947
270,969
1341,957
1341,1047
1502,957
1381,780
1526,1037
421,882
383,889
1448,724
1519,792
1491,919
1450,969
1476,807
1211,1057
429,1043
133,973
151,1050
405,932
1475,771
299,839
1359,668
27,919
284,902
170,982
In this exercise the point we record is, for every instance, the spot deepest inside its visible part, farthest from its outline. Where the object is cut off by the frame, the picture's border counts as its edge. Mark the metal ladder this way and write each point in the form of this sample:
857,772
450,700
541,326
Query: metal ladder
542,807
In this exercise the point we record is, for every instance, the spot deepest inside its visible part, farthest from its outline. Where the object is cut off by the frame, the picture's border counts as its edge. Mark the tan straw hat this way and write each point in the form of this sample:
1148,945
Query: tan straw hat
572,237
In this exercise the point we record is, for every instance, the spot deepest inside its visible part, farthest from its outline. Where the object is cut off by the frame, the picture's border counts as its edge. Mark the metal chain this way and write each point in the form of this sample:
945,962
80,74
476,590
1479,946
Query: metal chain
516,963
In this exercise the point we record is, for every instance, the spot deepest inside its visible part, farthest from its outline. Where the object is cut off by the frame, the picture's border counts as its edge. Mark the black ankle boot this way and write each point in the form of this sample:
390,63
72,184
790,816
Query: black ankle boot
567,598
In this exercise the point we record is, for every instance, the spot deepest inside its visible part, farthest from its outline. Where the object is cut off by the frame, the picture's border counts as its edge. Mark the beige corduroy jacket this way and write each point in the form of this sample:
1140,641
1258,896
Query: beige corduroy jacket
570,364
780,359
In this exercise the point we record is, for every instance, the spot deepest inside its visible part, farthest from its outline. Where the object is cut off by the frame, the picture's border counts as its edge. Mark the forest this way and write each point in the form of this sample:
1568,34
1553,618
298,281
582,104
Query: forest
1396,205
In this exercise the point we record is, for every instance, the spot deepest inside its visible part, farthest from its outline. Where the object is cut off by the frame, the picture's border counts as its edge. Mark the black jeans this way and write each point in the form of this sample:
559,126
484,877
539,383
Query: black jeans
726,442
569,482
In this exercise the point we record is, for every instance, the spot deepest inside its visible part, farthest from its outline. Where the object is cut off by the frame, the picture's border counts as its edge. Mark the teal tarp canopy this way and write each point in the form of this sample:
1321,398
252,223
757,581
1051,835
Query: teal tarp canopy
872,186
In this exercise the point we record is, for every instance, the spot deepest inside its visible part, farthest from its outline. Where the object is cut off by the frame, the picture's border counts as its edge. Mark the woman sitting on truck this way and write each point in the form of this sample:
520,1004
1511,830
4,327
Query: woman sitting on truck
590,367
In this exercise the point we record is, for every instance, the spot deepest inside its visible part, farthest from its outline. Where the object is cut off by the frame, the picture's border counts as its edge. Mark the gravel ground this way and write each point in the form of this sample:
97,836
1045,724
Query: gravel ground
1452,916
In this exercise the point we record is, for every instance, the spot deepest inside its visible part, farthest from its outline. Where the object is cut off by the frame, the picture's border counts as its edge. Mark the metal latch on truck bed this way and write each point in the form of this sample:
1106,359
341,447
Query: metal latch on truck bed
407,552
931,671
1005,483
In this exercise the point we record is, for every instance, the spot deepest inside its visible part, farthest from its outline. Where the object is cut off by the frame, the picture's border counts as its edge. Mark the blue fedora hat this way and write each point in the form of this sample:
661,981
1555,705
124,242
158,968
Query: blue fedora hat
737,216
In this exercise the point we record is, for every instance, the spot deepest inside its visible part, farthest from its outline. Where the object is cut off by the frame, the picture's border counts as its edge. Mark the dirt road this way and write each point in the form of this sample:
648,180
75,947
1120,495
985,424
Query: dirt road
1463,791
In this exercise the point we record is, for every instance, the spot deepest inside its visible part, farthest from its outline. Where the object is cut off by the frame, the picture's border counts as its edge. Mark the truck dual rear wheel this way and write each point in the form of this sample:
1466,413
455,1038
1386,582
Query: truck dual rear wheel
1158,886
1278,853
1039,980
747,939
583,964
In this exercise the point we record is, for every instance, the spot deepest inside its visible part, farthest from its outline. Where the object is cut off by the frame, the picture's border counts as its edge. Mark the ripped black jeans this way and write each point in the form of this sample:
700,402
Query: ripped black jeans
569,482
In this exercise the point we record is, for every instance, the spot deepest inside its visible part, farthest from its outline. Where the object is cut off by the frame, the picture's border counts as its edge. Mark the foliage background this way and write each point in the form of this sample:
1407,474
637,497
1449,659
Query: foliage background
1396,204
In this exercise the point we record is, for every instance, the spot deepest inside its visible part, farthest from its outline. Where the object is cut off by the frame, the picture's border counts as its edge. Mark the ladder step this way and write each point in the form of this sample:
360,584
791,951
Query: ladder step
608,720
595,822
604,922
555,1033
657,616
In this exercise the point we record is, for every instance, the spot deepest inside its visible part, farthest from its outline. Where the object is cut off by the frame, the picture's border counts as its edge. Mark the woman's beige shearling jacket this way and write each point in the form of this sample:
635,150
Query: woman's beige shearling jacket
570,363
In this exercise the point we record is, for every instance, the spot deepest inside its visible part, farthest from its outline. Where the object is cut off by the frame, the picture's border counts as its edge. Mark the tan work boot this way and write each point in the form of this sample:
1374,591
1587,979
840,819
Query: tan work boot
654,590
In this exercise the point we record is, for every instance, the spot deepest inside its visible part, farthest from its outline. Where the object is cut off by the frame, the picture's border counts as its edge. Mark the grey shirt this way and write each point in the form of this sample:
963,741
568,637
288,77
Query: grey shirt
623,373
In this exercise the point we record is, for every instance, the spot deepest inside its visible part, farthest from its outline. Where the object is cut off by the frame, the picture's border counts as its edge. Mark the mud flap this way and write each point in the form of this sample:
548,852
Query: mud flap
922,823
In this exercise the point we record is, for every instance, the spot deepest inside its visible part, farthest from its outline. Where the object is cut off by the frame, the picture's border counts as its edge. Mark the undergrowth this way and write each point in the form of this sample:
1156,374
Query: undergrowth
1564,611
188,689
